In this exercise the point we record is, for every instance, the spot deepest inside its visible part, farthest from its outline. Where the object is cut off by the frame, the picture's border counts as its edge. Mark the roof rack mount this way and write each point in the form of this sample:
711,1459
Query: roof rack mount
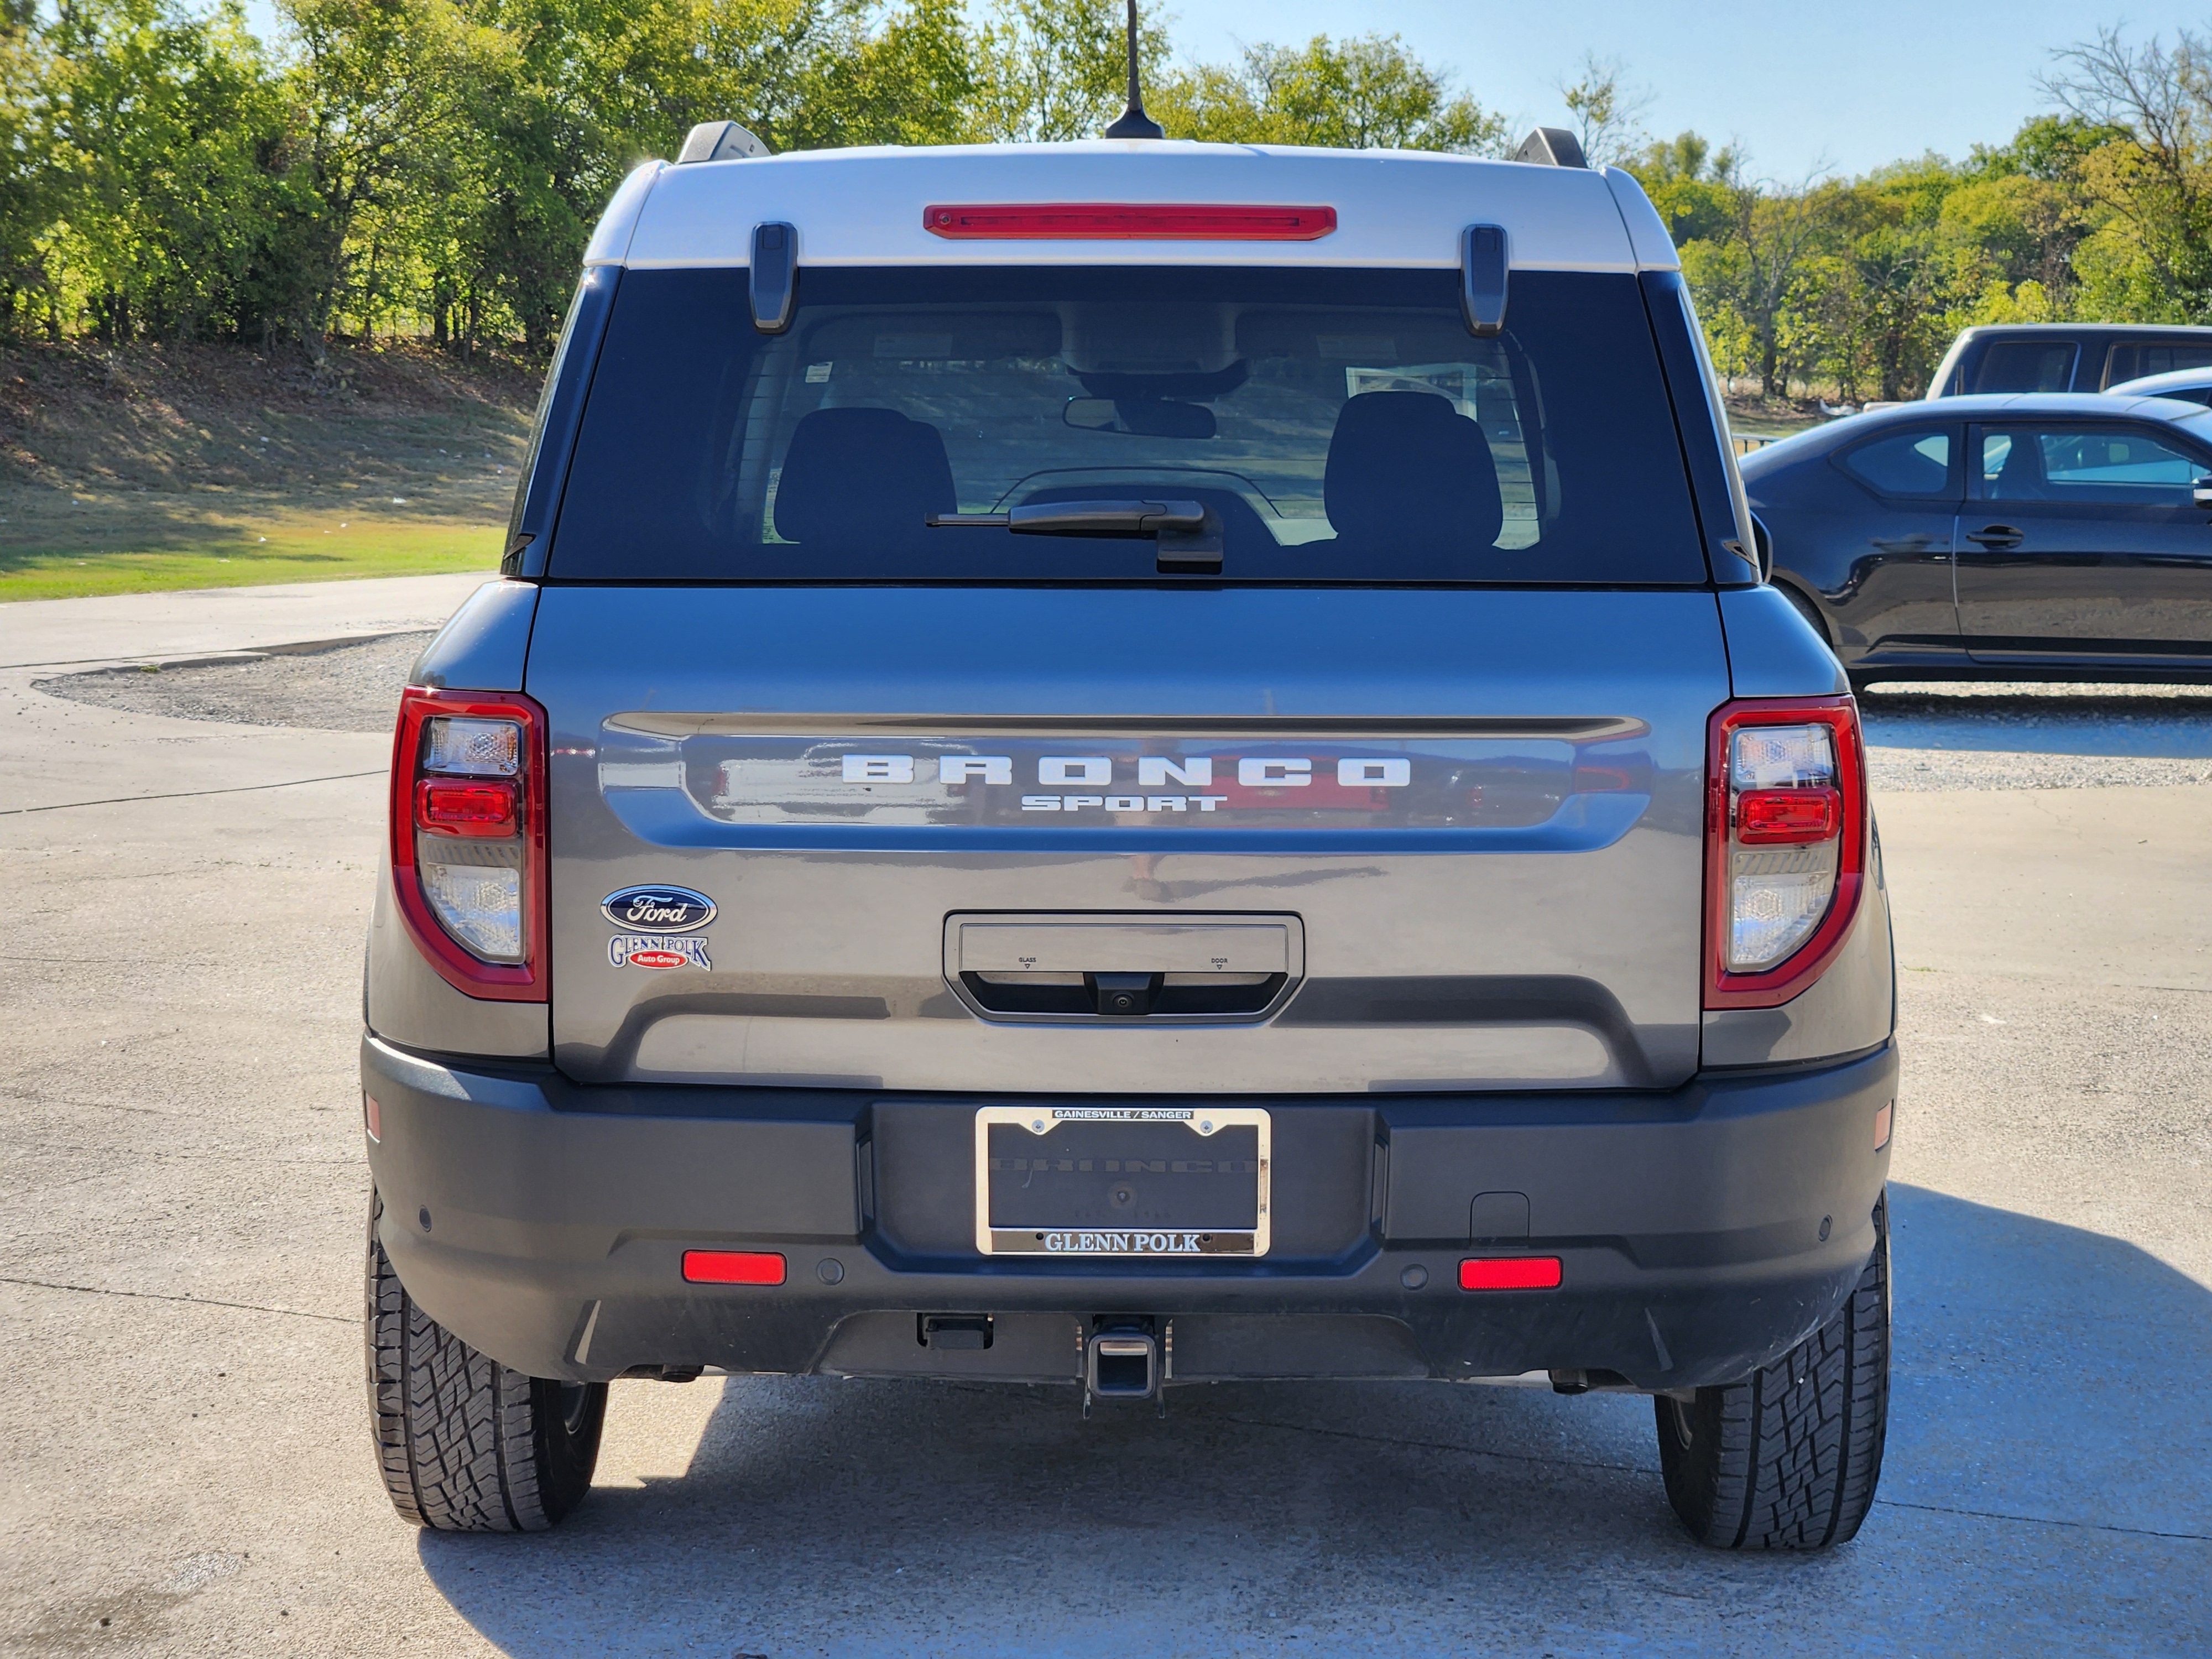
720,140
1552,147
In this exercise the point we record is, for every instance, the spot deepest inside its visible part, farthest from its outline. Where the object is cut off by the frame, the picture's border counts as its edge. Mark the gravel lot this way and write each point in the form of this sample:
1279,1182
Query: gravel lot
339,688
2014,735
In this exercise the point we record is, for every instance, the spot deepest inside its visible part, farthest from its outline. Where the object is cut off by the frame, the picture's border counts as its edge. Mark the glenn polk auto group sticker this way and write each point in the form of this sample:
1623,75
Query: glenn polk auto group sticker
675,910
657,950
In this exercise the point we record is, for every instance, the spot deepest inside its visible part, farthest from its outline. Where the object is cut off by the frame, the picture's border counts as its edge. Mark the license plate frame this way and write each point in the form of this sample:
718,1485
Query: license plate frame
1133,1242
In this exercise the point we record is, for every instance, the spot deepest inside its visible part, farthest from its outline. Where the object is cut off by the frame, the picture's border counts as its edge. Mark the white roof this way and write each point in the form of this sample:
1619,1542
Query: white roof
1394,208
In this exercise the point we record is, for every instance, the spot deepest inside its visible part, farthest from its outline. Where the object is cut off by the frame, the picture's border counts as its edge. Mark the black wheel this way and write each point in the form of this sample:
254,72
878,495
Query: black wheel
465,1444
1788,1459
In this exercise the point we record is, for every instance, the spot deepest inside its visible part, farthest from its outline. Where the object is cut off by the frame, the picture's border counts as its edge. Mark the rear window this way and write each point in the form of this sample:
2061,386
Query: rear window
1344,425
1914,463
2026,366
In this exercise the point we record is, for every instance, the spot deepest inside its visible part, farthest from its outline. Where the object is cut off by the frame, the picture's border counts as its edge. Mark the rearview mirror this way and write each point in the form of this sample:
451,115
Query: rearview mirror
2202,492
1139,418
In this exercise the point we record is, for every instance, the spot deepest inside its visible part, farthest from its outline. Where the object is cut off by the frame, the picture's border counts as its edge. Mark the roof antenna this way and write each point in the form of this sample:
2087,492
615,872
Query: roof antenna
1133,122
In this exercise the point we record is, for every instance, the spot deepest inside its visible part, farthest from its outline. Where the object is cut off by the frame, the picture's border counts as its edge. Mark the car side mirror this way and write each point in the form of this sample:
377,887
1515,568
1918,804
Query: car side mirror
2203,491
1762,541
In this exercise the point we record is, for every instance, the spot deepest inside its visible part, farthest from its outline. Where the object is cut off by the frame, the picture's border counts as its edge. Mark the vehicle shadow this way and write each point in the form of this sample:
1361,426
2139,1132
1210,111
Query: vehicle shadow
2052,1424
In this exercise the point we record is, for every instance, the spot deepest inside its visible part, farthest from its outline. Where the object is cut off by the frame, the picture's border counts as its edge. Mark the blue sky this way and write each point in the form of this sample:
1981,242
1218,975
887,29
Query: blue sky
1843,87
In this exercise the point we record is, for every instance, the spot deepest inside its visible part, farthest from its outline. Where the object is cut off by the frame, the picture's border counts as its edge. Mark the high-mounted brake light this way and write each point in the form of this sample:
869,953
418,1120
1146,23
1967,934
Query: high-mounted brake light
1786,838
1127,221
468,838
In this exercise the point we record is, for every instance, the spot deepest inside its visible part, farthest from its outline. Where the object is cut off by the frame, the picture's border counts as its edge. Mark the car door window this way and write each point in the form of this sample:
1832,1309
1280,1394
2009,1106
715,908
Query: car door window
1912,463
2026,366
2089,466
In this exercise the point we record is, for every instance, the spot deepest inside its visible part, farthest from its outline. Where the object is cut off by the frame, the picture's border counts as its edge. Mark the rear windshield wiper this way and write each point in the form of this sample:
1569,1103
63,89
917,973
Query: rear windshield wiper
1189,532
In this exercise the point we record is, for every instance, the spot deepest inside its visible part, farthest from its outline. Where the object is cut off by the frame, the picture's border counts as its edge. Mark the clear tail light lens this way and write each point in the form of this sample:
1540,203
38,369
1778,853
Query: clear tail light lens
468,837
1786,832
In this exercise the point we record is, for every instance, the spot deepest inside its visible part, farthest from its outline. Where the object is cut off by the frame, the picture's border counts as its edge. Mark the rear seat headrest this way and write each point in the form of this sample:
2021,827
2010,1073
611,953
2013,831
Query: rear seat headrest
856,480
1408,466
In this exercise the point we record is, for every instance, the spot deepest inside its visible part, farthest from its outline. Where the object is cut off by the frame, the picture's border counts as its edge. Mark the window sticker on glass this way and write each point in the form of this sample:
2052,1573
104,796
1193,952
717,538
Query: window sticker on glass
817,373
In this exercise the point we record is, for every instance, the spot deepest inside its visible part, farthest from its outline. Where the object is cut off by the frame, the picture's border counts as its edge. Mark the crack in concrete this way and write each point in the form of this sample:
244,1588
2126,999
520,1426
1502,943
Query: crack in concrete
196,1301
188,794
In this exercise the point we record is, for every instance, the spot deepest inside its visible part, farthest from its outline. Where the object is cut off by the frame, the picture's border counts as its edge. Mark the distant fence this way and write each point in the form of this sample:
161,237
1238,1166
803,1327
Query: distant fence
1747,442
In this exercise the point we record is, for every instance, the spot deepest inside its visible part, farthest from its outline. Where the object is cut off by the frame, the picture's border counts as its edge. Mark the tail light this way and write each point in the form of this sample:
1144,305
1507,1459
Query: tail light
1786,836
468,838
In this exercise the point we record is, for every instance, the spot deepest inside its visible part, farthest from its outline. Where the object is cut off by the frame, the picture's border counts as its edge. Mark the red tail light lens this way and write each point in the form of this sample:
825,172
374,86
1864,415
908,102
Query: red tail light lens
1786,837
1788,816
468,838
1509,1273
1126,222
448,806
732,1267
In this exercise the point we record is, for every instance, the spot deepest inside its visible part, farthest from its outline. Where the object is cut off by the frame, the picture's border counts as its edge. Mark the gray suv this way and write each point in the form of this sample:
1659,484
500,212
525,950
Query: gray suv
1122,765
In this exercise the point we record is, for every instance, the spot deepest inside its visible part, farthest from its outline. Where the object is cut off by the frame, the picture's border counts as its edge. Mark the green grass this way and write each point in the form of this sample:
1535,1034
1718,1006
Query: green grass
295,547
159,467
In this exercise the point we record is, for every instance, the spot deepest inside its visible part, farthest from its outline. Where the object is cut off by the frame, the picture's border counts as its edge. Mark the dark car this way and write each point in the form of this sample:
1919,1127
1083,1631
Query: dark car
2025,537
2013,357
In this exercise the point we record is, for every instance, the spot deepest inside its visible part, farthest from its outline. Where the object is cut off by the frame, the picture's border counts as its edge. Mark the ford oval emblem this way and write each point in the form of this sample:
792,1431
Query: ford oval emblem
663,909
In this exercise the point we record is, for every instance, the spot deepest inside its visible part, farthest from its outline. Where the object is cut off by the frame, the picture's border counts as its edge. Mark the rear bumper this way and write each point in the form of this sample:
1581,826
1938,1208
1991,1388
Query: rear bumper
1702,1231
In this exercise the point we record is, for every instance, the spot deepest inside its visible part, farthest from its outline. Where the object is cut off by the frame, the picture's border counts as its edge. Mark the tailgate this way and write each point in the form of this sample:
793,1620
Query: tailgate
1127,841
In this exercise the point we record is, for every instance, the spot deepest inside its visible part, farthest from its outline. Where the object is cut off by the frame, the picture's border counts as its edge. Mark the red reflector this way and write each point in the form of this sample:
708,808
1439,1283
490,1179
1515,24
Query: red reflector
372,1115
733,1267
1509,1273
1766,817
1130,222
447,806
1882,1120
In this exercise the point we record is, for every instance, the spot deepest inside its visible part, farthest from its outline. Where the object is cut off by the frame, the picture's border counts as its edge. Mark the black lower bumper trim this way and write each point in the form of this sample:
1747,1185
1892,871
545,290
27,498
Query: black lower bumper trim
1701,1231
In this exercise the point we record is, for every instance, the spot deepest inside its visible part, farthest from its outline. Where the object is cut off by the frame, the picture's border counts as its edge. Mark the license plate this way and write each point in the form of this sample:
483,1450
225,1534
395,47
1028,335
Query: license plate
1136,1182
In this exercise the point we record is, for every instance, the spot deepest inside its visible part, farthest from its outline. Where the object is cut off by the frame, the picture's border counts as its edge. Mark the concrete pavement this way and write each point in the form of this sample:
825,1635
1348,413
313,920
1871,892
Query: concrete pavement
181,1213
151,627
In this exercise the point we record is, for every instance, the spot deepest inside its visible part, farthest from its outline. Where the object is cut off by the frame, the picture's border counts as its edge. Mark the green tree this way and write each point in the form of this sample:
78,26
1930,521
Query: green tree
1366,92
2150,255
1053,69
163,136
1608,114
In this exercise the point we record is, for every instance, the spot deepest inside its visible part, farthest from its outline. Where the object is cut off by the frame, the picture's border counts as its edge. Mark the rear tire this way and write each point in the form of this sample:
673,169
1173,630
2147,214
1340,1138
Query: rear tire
1789,1458
465,1443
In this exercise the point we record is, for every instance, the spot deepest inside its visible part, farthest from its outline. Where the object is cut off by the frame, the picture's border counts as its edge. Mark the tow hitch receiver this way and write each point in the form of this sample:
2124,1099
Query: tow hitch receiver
1121,1361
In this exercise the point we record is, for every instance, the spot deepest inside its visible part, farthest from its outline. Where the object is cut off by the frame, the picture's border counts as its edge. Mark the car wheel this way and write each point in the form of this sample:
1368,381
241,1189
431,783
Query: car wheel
1788,1459
465,1443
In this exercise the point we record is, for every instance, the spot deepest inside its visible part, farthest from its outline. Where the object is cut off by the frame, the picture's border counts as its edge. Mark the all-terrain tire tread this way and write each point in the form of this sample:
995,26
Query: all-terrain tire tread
456,1431
1790,1458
